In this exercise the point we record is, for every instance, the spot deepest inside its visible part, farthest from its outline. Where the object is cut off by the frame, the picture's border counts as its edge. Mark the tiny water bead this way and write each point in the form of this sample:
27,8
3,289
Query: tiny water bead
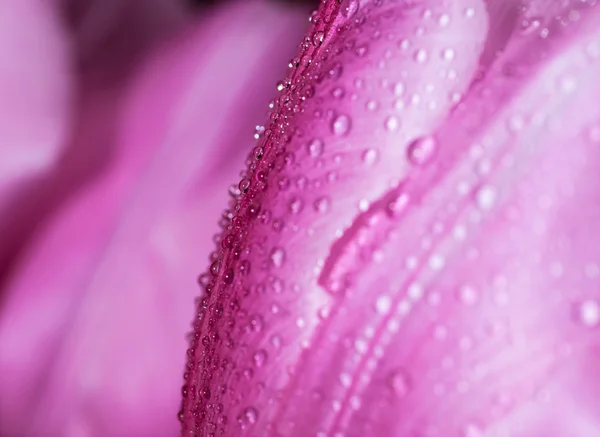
392,123
248,417
341,125
399,382
421,151
278,256
485,197
370,157
259,358
322,204
315,147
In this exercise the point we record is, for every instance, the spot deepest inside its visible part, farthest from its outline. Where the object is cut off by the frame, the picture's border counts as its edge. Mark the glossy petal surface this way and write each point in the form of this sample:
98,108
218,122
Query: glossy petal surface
413,251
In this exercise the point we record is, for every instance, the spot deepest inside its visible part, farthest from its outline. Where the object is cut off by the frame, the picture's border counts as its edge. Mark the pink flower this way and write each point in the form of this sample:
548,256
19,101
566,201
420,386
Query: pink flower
120,133
414,250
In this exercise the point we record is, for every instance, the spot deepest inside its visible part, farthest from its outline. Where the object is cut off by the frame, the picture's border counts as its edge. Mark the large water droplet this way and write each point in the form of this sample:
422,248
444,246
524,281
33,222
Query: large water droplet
349,8
341,125
421,150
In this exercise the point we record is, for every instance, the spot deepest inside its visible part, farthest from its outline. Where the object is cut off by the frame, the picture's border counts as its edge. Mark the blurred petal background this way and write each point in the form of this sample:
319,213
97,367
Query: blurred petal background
121,125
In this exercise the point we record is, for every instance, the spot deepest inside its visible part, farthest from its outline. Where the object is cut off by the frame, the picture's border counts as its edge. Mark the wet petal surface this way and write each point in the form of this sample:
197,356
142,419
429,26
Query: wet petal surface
413,250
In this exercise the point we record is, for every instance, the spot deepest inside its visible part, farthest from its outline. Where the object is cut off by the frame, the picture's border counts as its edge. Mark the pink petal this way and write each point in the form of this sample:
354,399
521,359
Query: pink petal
432,274
100,306
35,102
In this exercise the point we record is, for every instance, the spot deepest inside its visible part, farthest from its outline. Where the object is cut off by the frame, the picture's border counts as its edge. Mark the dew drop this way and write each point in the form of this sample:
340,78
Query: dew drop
421,56
448,54
338,92
467,295
472,430
315,147
296,205
362,50
349,8
399,382
588,313
421,150
318,38
399,89
341,125
392,123
278,257
372,105
259,358
322,204
485,197
397,206
370,157
383,304
530,25
248,417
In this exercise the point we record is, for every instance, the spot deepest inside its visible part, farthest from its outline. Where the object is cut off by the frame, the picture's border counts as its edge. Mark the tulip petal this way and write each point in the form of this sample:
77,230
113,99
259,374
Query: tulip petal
432,274
35,103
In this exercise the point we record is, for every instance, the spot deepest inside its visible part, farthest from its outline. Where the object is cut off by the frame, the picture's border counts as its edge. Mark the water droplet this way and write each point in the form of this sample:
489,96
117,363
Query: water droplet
318,38
383,304
448,54
346,379
315,147
338,92
336,71
349,8
530,25
296,205
421,55
399,382
467,295
392,123
322,204
278,257
436,262
341,125
259,358
588,313
397,206
472,430
248,417
485,197
444,20
372,105
399,89
421,150
370,156
362,50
